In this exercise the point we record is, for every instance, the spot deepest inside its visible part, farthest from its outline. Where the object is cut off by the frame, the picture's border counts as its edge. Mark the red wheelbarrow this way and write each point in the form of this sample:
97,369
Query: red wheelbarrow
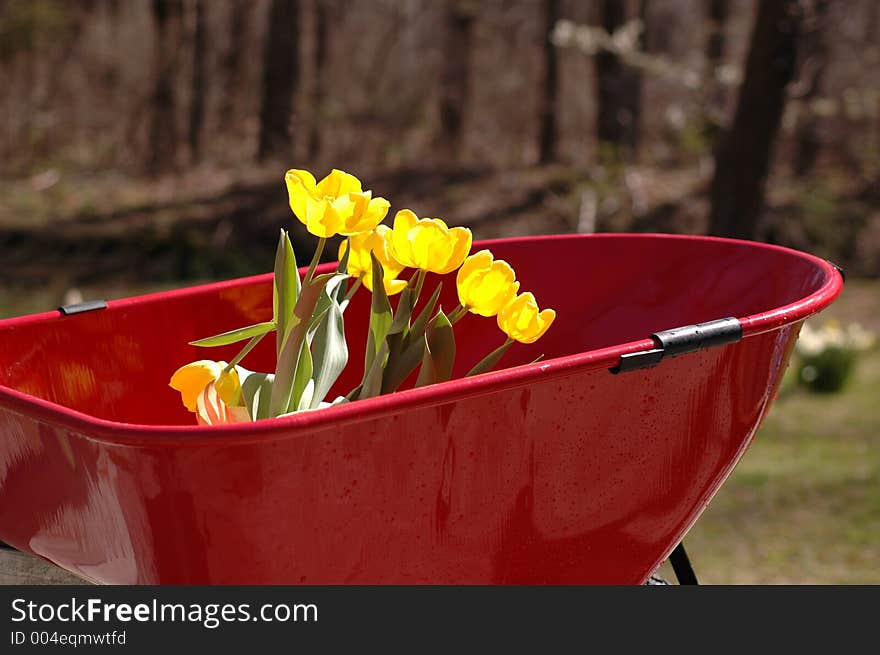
588,466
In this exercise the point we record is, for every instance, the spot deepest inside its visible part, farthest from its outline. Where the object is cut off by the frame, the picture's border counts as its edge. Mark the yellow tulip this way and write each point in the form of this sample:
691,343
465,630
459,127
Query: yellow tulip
521,321
428,243
335,205
360,264
484,284
211,409
192,379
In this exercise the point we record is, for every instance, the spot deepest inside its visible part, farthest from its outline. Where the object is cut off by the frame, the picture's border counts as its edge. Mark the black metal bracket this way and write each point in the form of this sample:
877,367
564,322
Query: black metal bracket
838,269
80,307
681,564
681,340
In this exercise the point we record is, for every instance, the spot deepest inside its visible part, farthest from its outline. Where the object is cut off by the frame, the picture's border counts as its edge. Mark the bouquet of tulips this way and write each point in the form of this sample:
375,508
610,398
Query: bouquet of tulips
308,312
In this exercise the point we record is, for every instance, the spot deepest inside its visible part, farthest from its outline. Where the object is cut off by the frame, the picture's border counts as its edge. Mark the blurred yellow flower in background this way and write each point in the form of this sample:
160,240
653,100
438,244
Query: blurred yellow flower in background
335,205
484,284
360,264
521,321
428,243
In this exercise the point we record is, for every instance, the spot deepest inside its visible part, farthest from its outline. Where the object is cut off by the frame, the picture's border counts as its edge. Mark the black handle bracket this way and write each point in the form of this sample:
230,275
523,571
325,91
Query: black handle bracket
80,307
838,269
681,340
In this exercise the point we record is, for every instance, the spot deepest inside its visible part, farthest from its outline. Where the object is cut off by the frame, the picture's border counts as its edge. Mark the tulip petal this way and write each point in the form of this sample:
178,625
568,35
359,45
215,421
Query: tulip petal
300,187
211,410
401,248
190,380
478,261
345,208
367,213
520,320
492,289
428,244
461,239
360,262
377,210
393,287
228,387
338,183
321,218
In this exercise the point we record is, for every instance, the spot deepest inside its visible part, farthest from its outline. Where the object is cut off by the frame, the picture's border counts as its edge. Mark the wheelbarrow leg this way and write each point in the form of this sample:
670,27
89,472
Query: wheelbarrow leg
684,572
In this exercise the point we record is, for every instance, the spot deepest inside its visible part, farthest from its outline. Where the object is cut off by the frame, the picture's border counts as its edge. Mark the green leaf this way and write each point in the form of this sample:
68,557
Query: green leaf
287,287
335,290
406,343
401,363
339,400
343,263
302,379
488,362
256,388
426,372
355,393
234,336
330,351
372,384
439,352
324,277
419,325
380,317
400,324
285,368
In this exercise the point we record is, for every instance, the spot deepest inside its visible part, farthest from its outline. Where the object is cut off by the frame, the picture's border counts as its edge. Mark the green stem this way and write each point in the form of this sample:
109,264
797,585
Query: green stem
244,351
489,361
420,281
315,259
507,343
354,287
457,314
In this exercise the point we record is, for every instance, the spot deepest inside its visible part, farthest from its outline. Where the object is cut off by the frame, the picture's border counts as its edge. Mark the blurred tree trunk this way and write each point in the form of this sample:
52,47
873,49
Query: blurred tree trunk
550,91
197,106
742,159
815,61
168,16
719,10
233,62
634,76
320,67
280,78
713,101
460,16
872,26
618,86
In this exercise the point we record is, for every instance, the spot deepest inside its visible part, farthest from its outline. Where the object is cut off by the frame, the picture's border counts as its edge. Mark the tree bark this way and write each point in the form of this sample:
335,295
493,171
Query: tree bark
280,78
743,156
233,62
320,68
618,87
197,106
550,90
454,92
719,10
815,48
713,90
168,16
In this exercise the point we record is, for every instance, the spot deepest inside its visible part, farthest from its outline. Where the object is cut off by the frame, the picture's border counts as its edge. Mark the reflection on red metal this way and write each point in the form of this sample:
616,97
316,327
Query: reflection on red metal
553,472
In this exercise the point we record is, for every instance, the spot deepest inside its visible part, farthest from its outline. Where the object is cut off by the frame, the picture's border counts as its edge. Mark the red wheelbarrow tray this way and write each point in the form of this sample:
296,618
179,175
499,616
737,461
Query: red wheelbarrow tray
560,471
